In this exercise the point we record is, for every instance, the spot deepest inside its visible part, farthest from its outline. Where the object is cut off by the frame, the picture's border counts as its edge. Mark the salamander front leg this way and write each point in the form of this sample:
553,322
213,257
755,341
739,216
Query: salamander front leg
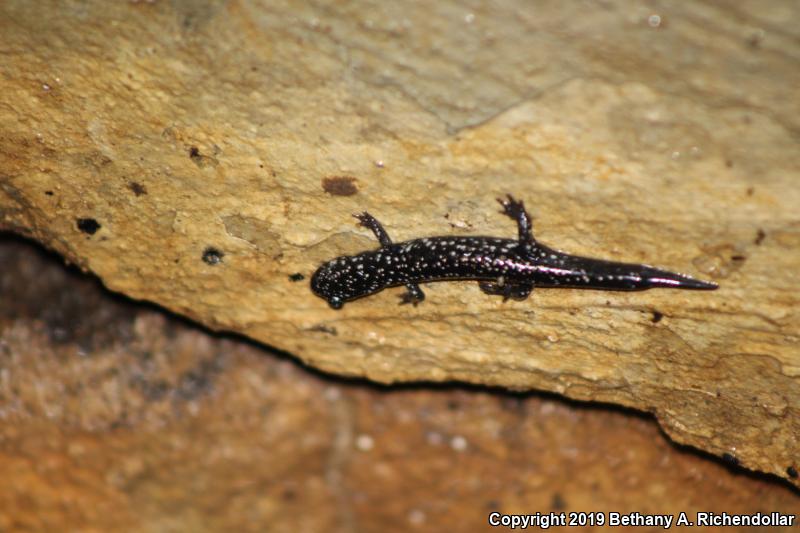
516,291
515,209
413,295
368,221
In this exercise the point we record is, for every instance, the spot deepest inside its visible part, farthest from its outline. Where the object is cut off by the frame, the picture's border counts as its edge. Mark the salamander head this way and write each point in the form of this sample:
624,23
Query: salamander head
331,282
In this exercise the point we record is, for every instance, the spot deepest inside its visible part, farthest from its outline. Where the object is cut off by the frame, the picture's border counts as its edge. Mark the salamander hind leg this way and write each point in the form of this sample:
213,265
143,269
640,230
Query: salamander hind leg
413,295
516,291
368,221
515,209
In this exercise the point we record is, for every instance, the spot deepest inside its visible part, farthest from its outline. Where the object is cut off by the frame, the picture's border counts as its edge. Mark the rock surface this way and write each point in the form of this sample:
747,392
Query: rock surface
200,155
117,417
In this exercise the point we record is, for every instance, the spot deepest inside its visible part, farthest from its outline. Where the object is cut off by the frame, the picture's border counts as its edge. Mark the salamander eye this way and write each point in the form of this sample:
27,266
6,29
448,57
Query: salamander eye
335,302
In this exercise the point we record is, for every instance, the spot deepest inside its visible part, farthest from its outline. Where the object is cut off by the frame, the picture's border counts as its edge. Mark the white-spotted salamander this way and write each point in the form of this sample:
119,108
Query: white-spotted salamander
506,267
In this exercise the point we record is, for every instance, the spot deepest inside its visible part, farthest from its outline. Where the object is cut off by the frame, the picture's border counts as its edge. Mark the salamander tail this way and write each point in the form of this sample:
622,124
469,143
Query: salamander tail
655,277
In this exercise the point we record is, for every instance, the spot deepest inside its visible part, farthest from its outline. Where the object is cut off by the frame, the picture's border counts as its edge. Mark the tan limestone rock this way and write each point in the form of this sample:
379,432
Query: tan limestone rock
200,155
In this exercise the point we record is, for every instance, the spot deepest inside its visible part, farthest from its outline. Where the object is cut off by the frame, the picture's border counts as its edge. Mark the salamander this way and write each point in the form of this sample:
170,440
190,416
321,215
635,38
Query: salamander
510,268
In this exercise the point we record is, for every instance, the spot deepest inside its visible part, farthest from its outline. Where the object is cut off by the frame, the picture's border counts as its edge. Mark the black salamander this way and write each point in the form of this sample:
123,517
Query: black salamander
505,267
